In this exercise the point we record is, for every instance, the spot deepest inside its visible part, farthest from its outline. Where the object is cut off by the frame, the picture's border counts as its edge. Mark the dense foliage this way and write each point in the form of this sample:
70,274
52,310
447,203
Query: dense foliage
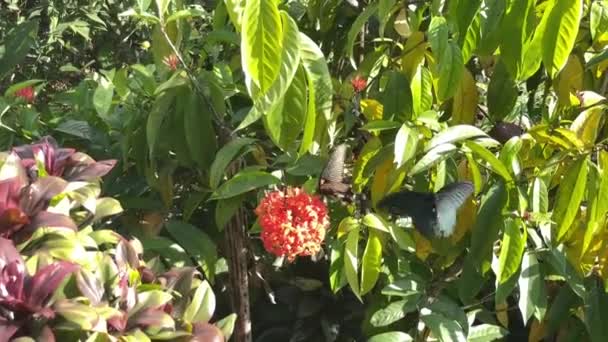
237,104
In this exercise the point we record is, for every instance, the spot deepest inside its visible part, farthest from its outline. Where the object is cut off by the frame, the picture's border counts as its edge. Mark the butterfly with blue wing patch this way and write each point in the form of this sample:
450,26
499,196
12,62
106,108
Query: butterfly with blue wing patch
433,214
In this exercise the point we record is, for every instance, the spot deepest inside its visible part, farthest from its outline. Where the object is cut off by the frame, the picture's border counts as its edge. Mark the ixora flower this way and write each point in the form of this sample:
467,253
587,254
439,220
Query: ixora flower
359,83
293,222
26,94
171,62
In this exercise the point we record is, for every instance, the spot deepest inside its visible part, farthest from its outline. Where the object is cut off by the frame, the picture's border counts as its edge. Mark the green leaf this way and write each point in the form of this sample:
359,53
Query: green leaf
84,316
225,210
598,21
225,156
487,224
394,311
514,34
289,65
532,296
502,93
105,207
455,134
471,39
371,261
560,34
588,124
285,120
385,9
495,163
557,258
380,125
444,328
403,238
486,333
160,109
374,221
422,90
355,29
235,9
198,126
410,285
433,157
351,260
16,44
318,73
202,306
226,325
260,44
149,300
406,143
438,36
596,313
243,182
196,243
491,27
337,275
569,196
511,249
392,336
397,98
451,69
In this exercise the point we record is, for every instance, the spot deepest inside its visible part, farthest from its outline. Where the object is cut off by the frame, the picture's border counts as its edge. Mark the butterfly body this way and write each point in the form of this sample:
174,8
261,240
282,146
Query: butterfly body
331,181
433,214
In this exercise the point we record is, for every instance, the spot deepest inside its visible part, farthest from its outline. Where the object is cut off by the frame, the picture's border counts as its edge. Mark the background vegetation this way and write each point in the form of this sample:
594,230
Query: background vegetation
507,94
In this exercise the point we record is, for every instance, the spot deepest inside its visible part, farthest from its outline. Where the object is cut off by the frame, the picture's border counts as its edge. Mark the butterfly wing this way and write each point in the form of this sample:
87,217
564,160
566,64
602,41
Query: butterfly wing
332,176
447,202
420,206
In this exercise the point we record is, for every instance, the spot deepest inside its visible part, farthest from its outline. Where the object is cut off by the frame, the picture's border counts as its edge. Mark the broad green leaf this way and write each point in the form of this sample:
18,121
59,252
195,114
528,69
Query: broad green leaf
392,336
451,68
16,44
369,150
588,124
514,34
471,39
160,47
375,221
495,164
235,9
487,225
371,261
149,300
202,306
102,97
560,263
159,110
243,182
185,14
351,261
432,157
84,316
455,134
502,93
285,120
569,196
397,98
596,313
509,155
486,333
406,143
598,22
464,13
533,48
289,65
225,156
176,80
317,72
394,311
422,90
198,126
532,296
464,106
446,329
196,243
560,34
311,119
380,125
410,285
438,36
337,270
261,32
355,29
385,9
226,325
491,27
511,249
225,210
105,207
403,239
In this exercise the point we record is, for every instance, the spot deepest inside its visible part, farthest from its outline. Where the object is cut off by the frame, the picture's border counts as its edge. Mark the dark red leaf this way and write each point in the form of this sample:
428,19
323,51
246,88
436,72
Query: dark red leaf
118,322
43,284
11,220
91,171
46,334
36,196
8,329
205,332
8,253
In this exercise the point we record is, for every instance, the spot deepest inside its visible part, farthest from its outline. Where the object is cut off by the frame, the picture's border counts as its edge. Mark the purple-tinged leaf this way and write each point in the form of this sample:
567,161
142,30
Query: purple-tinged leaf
151,318
8,329
205,332
12,220
37,195
53,220
90,286
43,284
54,159
91,171
8,253
12,279
46,334
118,322
85,316
126,255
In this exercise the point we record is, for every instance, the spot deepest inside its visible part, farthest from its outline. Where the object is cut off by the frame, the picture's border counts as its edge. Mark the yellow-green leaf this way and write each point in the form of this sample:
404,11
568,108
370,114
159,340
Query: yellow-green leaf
560,34
371,261
569,196
511,249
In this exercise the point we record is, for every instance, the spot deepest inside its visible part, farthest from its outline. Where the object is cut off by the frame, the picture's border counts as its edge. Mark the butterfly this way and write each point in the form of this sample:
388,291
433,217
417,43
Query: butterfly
331,181
433,214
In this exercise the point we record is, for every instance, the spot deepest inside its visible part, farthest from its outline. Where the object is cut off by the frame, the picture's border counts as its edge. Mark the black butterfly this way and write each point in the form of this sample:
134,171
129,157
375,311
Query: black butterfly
331,181
433,214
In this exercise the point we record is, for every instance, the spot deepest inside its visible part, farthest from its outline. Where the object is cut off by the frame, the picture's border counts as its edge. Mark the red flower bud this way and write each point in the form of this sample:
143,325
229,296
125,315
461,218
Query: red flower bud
26,93
359,83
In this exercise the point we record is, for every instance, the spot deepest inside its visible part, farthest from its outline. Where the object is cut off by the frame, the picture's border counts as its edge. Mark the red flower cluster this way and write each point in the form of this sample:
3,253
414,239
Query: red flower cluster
26,93
171,62
293,223
359,83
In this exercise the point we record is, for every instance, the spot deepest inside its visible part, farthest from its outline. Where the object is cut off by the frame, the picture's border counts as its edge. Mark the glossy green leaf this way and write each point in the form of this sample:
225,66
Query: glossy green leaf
560,34
375,221
397,98
514,34
355,29
202,306
471,38
243,182
455,134
569,196
351,260
502,93
226,325
261,34
371,261
486,333
406,143
226,209
596,310
370,149
392,336
198,126
445,328
235,9
317,71
491,27
422,90
432,157
511,249
532,296
376,126
385,9
196,243
438,36
102,97
487,224
394,311
16,44
155,119
495,164
337,270
598,21
588,124
451,69
225,156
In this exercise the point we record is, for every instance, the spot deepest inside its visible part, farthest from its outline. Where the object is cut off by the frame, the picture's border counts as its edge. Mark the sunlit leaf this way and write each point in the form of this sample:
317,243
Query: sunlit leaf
560,34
